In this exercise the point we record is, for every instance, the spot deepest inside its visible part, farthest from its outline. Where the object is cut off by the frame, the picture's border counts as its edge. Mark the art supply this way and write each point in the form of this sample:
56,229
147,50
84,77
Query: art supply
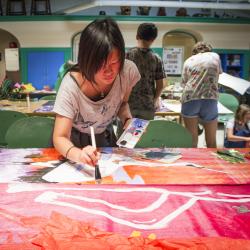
132,133
98,177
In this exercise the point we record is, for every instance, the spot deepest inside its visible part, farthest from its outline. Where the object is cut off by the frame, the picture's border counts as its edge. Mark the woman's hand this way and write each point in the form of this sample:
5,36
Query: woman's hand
126,123
89,155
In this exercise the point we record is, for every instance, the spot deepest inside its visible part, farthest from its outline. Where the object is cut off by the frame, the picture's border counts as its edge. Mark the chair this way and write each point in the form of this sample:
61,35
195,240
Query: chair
7,118
31,132
229,101
48,97
162,133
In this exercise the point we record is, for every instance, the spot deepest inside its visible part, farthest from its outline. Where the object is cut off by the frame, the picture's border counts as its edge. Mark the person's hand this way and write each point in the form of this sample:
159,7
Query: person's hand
127,122
157,103
89,155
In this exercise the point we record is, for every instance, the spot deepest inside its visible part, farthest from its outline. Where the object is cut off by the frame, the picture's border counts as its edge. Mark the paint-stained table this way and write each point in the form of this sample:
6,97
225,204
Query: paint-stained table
41,107
158,199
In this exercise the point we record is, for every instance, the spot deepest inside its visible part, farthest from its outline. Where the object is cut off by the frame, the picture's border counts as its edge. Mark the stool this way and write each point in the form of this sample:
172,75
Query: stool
1,9
15,7
40,7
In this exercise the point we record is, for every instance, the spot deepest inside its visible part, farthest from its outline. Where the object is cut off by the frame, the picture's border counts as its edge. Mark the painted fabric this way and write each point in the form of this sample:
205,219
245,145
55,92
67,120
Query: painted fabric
150,67
72,103
200,77
128,166
52,216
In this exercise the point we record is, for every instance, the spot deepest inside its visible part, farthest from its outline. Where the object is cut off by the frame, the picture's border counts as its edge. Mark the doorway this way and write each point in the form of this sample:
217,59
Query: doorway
6,41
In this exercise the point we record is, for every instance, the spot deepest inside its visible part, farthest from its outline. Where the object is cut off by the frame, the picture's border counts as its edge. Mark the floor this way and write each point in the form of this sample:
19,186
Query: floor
219,137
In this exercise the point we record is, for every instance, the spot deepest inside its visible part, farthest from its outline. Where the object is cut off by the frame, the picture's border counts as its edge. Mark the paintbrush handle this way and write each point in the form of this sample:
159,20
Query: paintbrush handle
98,176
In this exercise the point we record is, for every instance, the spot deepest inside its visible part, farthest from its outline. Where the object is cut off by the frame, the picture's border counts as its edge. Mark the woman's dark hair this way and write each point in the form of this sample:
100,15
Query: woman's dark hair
241,111
201,47
97,40
147,32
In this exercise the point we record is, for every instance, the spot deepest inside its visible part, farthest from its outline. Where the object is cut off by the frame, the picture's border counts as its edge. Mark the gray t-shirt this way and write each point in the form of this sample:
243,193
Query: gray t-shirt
72,103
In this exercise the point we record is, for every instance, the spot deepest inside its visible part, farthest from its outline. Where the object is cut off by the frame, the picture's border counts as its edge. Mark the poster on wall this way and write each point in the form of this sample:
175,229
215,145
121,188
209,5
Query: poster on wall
173,60
12,59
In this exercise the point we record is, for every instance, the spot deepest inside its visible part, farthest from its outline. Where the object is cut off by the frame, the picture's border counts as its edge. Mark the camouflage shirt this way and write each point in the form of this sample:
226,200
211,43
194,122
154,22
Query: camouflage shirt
150,67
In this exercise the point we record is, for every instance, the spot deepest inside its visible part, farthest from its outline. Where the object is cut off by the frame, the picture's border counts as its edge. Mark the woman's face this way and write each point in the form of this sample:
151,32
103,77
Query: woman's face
108,72
247,117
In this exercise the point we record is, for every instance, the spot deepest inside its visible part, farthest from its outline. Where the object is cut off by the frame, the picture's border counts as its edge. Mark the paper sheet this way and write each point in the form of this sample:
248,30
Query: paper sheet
235,83
67,172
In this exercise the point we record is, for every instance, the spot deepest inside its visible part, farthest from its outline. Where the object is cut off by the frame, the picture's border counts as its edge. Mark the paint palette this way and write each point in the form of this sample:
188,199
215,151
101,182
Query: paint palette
132,133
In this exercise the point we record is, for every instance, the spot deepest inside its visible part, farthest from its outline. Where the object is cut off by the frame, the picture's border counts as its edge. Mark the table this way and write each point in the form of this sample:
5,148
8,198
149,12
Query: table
171,107
36,107
134,211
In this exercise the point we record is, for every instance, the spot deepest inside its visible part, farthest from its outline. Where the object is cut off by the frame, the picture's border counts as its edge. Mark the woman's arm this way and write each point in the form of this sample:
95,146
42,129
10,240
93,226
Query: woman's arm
124,112
232,137
63,144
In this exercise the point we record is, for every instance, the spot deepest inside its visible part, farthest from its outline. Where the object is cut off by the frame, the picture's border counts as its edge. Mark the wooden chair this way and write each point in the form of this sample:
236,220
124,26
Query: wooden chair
31,132
162,133
230,102
7,118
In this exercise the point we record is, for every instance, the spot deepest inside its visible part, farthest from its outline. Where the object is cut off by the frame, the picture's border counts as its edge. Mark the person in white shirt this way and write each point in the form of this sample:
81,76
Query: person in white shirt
200,92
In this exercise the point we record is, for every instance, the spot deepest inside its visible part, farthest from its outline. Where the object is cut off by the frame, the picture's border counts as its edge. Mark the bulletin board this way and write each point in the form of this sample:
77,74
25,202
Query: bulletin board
173,60
12,59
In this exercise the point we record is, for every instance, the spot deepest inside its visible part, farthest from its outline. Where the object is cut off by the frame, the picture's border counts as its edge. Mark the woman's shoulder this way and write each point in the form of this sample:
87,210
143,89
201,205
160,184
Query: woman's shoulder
129,64
130,72
129,67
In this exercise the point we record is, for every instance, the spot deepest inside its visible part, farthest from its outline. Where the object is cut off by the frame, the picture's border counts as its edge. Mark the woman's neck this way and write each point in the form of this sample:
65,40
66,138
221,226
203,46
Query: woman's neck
92,90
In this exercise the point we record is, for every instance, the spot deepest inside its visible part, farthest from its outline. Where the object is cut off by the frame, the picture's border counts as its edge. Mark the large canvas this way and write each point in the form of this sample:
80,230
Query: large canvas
45,213
126,166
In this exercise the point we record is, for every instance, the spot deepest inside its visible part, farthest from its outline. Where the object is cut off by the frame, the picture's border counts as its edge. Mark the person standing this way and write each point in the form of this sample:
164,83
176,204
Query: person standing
200,92
94,93
144,98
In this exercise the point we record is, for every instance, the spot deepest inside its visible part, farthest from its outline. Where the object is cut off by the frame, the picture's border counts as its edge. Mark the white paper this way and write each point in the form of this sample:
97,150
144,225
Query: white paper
12,59
223,110
173,60
235,83
67,172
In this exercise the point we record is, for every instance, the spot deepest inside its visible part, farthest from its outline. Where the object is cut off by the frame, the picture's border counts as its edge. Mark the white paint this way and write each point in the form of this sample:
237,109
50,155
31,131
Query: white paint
50,197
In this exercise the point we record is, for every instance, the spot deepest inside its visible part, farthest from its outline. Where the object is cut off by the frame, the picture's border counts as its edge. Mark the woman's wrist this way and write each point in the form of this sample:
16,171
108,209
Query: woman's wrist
68,151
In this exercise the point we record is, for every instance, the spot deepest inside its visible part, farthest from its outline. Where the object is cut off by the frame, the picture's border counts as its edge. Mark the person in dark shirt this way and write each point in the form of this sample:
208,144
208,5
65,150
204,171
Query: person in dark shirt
144,98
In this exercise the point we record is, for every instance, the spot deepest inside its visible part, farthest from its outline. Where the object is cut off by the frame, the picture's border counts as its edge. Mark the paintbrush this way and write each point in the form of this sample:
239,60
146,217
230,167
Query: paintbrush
98,177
